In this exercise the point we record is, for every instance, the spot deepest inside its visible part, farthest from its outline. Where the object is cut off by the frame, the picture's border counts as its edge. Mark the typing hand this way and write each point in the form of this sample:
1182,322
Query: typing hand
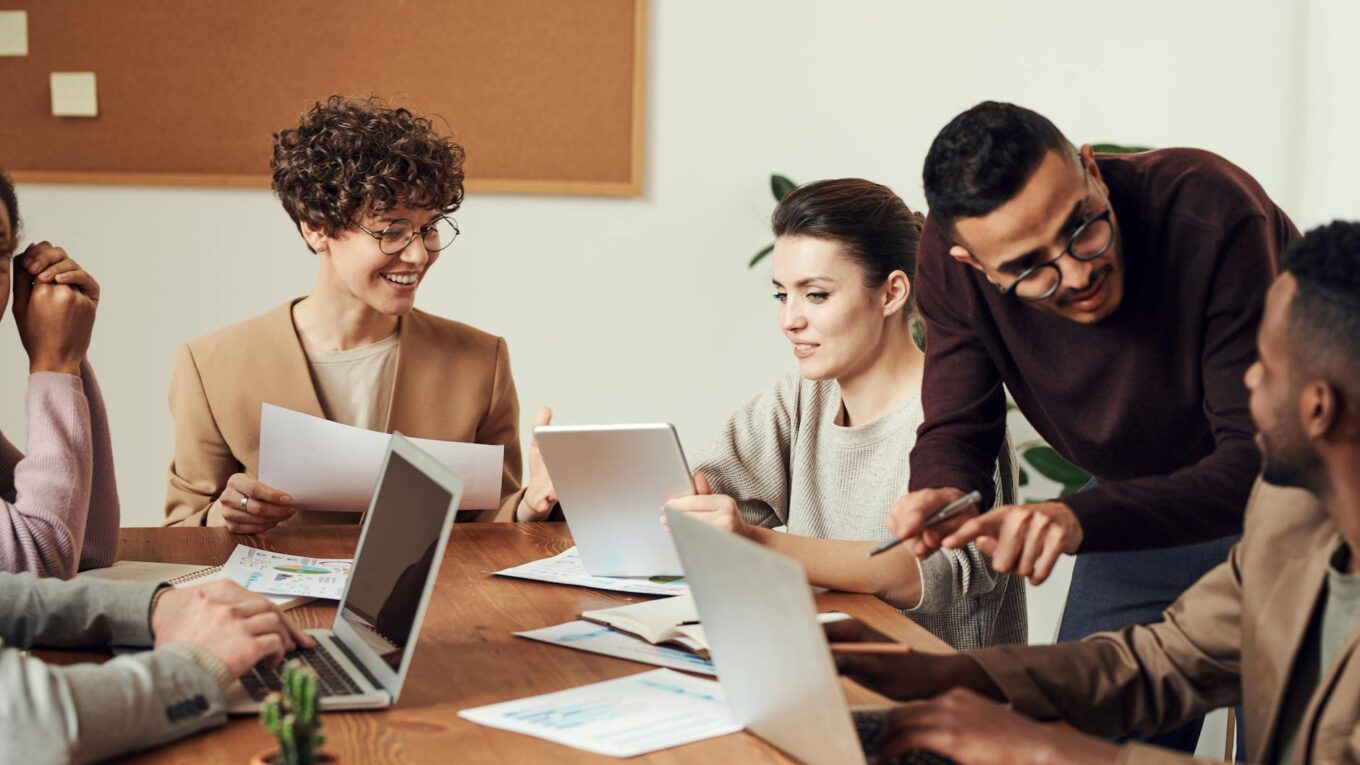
237,626
972,730
250,507
717,510
539,495
1022,539
909,516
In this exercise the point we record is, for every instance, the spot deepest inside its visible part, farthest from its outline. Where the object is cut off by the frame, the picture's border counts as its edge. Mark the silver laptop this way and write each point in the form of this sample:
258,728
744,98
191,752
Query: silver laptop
771,654
612,481
362,660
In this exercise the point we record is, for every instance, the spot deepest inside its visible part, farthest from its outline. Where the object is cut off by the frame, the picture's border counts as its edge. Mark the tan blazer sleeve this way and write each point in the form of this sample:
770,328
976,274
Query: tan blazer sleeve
202,461
1141,679
501,426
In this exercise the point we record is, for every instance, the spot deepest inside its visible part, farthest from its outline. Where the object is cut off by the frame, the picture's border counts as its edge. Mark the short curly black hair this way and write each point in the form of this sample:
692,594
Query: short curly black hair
350,157
11,203
983,157
1324,316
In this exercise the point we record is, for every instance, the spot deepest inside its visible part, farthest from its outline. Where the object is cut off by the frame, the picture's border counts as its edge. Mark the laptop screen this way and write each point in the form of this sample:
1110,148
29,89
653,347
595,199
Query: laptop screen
389,575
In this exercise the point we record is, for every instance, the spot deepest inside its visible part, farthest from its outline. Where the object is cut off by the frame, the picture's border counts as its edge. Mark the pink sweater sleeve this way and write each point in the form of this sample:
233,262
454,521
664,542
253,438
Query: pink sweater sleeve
100,546
46,502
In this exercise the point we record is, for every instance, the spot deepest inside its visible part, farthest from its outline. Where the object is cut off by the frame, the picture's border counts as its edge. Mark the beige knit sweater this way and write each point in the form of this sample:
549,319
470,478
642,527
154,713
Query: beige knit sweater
786,463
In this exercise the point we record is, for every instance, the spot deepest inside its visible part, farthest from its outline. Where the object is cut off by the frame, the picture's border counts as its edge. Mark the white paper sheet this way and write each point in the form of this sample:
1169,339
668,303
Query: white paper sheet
621,718
596,638
273,573
326,465
566,568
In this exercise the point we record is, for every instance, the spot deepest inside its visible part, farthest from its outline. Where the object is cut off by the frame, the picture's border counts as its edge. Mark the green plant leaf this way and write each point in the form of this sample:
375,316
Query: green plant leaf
1024,478
781,186
759,256
1052,466
1114,148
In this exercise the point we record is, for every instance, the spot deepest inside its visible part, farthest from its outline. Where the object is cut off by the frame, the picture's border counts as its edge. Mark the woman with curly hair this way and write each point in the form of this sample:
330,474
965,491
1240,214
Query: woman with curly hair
370,189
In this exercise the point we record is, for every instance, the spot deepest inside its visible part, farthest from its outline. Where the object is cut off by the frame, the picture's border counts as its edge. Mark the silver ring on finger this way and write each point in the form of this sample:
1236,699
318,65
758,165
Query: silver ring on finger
244,502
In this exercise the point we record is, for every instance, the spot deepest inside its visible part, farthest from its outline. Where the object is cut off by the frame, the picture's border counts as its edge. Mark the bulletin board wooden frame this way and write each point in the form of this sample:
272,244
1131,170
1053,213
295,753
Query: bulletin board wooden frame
567,121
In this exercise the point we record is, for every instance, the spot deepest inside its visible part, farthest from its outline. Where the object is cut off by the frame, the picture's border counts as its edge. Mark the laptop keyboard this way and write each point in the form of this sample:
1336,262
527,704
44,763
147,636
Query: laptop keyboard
869,724
331,679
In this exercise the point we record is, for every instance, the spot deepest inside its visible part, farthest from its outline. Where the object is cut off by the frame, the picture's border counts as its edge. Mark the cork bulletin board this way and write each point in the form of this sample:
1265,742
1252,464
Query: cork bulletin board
546,96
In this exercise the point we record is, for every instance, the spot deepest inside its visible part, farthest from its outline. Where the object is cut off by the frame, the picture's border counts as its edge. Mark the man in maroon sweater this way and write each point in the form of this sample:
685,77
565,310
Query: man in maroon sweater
1117,298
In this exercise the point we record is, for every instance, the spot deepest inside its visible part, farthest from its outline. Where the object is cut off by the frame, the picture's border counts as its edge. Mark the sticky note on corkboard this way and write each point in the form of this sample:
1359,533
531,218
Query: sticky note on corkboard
74,94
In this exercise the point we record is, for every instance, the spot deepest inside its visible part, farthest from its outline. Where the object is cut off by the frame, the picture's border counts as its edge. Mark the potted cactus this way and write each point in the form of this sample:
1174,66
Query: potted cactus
292,717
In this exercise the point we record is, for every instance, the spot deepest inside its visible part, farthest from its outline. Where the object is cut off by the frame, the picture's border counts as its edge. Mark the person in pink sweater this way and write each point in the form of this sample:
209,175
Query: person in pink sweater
58,503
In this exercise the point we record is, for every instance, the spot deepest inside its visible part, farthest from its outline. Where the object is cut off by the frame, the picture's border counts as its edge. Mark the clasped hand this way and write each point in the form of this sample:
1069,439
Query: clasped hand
54,308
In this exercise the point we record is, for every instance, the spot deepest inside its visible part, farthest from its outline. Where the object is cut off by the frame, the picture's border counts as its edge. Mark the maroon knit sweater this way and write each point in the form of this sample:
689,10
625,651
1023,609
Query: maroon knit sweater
1151,399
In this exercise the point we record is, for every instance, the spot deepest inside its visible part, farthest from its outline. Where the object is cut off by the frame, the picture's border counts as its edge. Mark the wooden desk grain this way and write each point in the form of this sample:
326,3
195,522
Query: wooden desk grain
467,655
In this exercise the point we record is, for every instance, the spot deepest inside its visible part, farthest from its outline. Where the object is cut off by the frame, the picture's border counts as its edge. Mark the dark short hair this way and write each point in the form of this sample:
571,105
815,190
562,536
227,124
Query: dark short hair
873,225
348,157
983,157
1324,316
11,202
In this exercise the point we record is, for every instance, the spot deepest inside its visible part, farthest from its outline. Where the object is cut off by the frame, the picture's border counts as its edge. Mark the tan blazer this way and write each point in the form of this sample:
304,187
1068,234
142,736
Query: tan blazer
1231,638
452,383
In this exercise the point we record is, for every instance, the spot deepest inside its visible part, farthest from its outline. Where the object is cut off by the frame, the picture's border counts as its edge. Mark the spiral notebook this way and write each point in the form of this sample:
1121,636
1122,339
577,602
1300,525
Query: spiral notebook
176,575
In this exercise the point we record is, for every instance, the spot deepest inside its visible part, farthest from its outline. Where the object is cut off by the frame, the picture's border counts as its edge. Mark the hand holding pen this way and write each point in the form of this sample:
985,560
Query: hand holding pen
906,523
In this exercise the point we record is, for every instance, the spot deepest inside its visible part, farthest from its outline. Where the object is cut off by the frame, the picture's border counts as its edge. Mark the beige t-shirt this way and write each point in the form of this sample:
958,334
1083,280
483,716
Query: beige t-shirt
355,386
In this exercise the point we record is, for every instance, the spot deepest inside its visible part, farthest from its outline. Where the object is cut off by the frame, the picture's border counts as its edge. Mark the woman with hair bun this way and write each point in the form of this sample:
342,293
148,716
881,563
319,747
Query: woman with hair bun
372,190
824,453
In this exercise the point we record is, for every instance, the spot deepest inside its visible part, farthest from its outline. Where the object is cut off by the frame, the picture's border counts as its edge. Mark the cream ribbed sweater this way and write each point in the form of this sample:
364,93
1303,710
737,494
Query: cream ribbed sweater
786,463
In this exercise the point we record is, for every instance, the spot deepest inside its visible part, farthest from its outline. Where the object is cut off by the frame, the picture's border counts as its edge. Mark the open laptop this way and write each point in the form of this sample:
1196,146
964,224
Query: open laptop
362,660
611,481
771,654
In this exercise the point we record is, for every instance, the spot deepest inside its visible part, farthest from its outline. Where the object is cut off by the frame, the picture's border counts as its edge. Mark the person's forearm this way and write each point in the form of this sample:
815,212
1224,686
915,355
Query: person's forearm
82,612
846,566
1195,504
100,546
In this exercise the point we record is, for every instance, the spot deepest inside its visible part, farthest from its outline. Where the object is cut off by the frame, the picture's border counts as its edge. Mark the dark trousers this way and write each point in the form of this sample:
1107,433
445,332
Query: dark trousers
1114,590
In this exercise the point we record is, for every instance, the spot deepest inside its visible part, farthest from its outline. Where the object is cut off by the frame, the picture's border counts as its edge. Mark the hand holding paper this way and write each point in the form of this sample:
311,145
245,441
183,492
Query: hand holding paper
326,465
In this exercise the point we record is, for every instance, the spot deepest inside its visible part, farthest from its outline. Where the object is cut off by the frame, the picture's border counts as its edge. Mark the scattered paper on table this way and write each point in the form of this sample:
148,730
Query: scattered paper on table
625,717
273,573
327,465
74,94
589,636
13,33
566,568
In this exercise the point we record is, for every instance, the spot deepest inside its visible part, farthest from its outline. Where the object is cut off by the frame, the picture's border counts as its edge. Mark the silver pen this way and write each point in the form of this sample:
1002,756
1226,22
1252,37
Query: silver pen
943,514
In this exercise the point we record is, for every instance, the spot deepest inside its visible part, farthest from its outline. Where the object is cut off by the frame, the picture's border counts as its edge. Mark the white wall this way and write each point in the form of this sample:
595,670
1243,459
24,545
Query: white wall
643,309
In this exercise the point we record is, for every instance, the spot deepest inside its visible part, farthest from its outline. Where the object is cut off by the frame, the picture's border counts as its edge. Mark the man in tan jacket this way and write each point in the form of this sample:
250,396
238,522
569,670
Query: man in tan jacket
1276,628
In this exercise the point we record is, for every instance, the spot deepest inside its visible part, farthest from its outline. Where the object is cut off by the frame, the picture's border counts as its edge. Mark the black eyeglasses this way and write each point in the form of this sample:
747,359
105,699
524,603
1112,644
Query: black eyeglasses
435,235
1092,239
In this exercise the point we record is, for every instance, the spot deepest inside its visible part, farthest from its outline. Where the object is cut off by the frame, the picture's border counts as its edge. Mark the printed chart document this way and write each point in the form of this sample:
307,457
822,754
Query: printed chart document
326,465
272,573
622,718
588,636
566,568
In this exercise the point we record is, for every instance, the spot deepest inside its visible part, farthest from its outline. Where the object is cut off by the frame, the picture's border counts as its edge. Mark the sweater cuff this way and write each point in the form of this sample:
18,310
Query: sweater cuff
212,666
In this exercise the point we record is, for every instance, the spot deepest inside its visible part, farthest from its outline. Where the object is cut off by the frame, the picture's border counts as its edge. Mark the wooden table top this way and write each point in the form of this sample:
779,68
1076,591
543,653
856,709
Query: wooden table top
466,655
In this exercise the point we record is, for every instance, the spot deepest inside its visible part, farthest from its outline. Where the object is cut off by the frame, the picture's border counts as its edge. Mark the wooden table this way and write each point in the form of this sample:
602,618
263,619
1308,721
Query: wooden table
467,656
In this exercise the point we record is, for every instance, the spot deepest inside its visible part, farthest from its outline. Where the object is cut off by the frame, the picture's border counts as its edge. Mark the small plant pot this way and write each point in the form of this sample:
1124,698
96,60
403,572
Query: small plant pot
270,757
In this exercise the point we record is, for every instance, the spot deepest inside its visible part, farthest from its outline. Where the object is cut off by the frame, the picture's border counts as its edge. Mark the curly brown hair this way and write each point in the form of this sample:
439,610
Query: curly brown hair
350,157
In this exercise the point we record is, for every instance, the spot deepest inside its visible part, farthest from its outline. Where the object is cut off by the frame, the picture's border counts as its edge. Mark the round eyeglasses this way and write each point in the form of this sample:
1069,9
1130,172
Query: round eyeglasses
1091,240
435,235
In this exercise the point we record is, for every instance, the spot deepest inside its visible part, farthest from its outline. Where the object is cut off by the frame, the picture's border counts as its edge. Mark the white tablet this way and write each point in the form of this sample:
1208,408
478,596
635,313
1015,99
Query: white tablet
612,481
